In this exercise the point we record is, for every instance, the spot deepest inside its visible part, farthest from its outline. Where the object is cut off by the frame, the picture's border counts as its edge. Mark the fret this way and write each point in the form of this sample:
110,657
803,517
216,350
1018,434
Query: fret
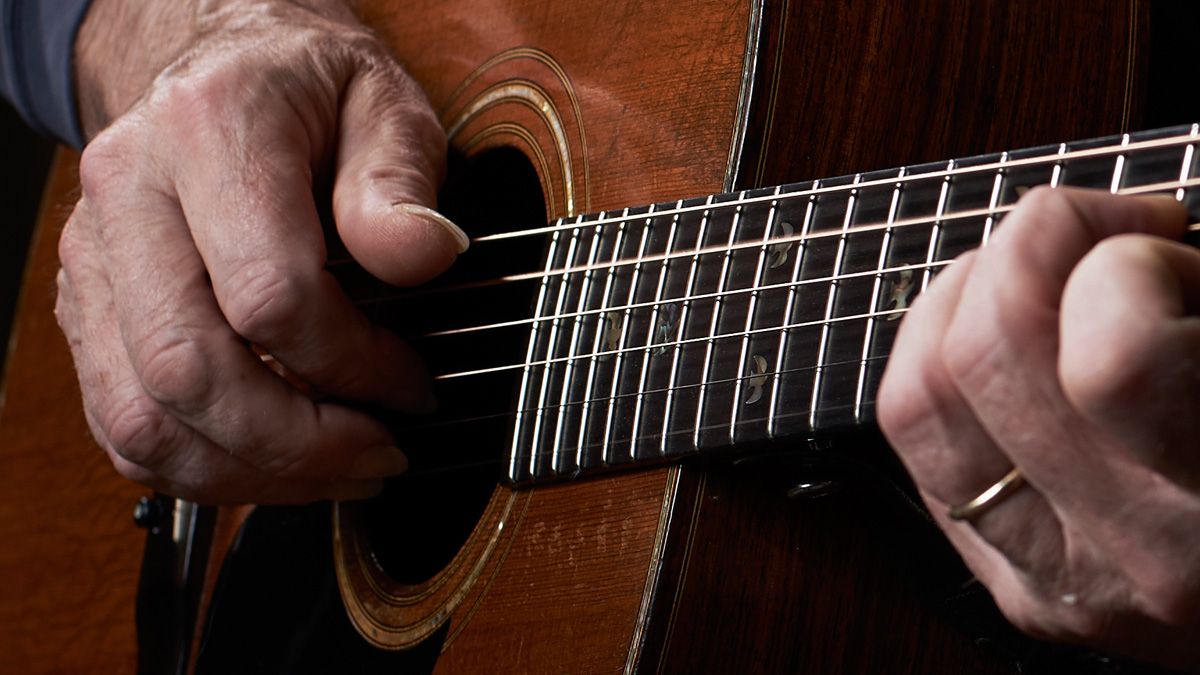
538,456
853,306
668,351
876,286
805,227
994,200
1118,168
673,401
936,231
819,370
600,319
1056,172
517,472
560,461
710,345
654,329
1186,167
738,399
610,420
675,345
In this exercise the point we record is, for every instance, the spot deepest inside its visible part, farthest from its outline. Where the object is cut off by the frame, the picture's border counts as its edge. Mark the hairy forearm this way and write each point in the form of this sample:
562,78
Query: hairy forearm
124,44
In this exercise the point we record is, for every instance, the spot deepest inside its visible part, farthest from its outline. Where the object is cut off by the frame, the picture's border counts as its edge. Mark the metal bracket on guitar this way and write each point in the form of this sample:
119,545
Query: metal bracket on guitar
178,537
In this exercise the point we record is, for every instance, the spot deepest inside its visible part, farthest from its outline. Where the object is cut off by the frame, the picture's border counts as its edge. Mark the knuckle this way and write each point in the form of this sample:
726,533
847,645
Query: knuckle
174,370
966,353
901,405
1108,373
136,428
103,164
267,302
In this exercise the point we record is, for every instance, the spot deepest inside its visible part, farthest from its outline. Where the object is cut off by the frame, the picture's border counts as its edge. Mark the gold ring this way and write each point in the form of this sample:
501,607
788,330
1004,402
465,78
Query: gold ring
1012,481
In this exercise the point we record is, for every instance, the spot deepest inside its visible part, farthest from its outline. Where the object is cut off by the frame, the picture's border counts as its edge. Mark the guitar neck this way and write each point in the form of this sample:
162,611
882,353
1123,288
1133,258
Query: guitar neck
664,331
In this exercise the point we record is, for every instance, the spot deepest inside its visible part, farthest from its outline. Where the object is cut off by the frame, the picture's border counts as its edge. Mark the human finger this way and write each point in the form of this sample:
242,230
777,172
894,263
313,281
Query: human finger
1131,315
948,452
143,440
253,218
390,158
1001,347
188,359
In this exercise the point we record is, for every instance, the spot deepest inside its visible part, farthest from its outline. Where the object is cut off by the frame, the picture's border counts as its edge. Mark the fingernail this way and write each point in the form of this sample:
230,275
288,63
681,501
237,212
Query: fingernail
378,462
464,242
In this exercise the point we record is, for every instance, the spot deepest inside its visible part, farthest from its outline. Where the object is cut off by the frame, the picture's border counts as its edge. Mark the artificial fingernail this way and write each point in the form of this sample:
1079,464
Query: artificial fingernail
464,242
378,462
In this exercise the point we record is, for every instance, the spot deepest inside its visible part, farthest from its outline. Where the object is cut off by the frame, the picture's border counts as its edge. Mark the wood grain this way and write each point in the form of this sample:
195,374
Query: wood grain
649,98
71,555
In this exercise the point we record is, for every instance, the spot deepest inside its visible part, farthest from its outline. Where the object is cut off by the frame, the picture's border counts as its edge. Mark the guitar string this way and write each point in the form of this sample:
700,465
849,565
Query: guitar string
681,342
574,450
694,298
508,414
1057,157
832,280
804,239
1177,185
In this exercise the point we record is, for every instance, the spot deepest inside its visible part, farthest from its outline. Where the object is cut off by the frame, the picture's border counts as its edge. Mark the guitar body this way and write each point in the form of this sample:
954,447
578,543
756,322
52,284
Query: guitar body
812,563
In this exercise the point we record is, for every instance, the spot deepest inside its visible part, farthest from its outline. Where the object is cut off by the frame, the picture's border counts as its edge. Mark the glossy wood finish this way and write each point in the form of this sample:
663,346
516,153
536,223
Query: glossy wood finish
70,559
647,95
847,87
641,114
856,86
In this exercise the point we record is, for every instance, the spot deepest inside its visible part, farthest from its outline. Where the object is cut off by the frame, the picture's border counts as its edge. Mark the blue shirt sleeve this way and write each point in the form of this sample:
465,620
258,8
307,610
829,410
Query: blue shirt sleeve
37,40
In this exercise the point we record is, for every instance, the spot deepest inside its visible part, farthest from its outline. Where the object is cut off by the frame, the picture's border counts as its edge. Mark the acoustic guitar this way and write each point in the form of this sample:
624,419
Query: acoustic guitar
655,448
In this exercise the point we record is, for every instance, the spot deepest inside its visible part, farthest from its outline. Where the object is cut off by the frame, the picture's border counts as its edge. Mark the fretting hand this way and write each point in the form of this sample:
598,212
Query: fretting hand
1068,348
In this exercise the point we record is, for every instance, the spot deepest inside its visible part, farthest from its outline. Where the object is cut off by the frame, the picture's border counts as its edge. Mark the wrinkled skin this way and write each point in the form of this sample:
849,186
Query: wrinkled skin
197,235
1069,347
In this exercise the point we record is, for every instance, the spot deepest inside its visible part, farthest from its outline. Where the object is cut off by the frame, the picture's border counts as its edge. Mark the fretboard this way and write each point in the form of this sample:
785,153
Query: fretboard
705,324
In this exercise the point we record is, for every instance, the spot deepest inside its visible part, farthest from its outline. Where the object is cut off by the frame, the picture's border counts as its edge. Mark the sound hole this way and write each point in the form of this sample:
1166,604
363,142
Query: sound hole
457,454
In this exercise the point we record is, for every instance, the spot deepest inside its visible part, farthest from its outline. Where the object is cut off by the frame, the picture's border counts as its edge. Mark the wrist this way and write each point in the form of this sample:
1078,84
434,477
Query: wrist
121,47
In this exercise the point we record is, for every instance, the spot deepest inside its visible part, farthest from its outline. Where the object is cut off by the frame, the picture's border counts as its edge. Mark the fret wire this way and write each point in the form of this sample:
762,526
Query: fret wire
698,296
716,316
1118,168
751,306
726,380
552,339
935,233
1056,173
680,342
650,331
1059,156
594,358
569,368
620,353
809,210
819,372
1163,186
659,390
684,312
997,186
1186,167
533,339
860,389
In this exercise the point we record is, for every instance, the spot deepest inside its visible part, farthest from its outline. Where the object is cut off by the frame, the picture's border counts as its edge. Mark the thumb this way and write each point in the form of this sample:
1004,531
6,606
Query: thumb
391,155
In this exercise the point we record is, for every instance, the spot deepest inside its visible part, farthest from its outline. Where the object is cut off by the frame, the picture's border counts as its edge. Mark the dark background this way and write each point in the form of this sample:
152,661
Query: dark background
1173,97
